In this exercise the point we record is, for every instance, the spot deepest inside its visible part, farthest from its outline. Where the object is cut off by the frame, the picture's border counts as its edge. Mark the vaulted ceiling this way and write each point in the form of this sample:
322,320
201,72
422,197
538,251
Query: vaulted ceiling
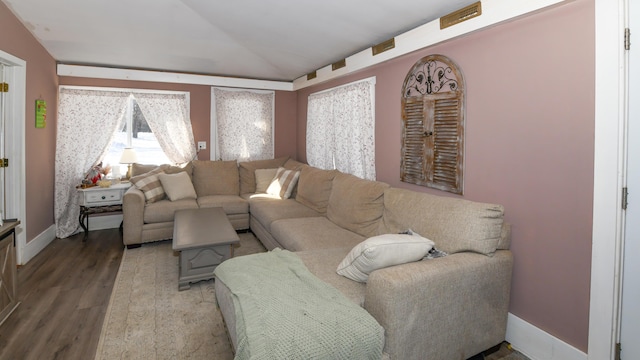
259,39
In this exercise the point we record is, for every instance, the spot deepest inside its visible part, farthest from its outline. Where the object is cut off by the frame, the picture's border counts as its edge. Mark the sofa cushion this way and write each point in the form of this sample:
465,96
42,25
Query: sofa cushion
150,185
139,169
164,210
177,186
247,171
322,263
266,210
312,233
293,164
215,177
263,179
356,204
174,169
283,183
382,251
231,204
314,187
455,225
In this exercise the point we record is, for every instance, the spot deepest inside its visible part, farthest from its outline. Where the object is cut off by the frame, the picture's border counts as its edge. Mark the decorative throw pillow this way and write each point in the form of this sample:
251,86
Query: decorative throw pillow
382,251
283,183
150,185
263,179
177,186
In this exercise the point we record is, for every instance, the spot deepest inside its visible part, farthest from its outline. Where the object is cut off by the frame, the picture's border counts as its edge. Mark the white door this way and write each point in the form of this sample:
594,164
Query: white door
2,140
630,312
12,141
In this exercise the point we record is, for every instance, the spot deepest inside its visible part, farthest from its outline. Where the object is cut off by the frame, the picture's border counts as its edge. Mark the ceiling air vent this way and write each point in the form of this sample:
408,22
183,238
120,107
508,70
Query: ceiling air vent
458,16
383,46
311,75
339,64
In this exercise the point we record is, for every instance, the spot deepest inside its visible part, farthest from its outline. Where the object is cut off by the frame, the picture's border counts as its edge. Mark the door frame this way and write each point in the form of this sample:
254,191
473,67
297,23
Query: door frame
15,196
609,179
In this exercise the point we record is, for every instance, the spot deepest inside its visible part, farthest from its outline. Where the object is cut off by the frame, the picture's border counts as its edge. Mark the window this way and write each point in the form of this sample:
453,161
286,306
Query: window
341,129
135,133
242,124
433,125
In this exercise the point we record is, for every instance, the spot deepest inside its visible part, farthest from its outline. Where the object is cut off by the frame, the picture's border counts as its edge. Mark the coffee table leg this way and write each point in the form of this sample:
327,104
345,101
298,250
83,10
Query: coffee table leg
182,284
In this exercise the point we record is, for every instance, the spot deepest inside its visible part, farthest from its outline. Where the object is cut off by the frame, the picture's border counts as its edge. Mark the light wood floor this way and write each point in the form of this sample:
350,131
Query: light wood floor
64,293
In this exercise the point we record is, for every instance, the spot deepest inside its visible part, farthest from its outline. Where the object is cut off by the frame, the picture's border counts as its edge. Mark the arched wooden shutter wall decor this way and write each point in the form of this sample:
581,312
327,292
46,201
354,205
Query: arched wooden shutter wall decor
433,125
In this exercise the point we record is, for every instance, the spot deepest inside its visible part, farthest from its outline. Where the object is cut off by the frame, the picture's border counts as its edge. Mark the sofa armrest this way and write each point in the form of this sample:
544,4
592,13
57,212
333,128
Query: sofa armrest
133,203
446,308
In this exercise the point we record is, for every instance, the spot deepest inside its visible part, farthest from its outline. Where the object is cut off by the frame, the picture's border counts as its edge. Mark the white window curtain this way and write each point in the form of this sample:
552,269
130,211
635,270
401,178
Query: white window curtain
341,129
168,119
87,121
242,124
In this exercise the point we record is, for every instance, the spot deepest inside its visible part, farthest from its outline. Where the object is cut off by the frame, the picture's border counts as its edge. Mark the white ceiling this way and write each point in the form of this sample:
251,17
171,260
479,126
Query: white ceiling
258,39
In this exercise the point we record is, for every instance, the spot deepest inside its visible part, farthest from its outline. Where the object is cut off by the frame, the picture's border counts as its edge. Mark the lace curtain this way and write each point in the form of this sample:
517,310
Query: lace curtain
341,129
242,122
87,121
168,119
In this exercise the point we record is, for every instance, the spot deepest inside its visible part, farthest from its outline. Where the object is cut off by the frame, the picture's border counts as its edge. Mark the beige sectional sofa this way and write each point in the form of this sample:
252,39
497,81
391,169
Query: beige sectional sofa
451,307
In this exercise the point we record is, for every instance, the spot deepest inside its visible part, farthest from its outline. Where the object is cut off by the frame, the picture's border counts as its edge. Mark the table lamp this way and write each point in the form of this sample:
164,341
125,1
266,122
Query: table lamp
128,157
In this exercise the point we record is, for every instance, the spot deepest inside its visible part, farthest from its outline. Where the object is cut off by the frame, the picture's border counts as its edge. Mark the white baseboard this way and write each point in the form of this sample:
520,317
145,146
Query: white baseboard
33,247
538,344
41,241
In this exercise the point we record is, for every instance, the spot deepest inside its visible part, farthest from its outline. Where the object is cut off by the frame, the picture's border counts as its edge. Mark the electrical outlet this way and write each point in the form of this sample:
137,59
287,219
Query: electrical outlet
202,145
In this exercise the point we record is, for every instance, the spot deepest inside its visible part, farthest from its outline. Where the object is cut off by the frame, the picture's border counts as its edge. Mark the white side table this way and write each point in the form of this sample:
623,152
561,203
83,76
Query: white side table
99,200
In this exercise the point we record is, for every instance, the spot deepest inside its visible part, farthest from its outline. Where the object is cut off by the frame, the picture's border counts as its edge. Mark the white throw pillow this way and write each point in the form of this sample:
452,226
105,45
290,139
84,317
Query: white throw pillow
263,179
177,186
382,251
283,183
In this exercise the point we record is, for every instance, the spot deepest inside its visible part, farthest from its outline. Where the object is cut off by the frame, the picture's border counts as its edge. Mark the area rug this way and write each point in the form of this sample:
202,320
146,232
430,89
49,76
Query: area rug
148,318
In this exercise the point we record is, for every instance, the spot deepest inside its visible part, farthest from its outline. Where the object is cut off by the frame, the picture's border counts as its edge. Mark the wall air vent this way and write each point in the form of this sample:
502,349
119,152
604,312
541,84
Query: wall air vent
338,64
311,75
383,46
458,16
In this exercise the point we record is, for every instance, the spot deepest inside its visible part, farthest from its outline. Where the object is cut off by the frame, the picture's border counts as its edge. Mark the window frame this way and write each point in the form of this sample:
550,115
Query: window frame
129,111
214,150
372,82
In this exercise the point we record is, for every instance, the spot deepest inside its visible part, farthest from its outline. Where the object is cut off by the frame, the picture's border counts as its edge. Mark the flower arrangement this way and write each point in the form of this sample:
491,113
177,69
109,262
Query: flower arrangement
95,174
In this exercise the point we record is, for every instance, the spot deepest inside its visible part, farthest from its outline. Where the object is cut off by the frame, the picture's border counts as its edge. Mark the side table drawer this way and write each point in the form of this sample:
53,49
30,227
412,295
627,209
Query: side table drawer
102,196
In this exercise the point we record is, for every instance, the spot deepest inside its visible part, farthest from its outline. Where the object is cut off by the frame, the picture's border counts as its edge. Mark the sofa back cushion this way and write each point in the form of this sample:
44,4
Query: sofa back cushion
291,164
247,170
314,187
356,204
215,177
139,169
455,225
174,169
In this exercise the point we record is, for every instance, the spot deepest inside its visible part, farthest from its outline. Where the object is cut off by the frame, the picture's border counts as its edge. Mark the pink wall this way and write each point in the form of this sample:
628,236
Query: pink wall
529,146
42,83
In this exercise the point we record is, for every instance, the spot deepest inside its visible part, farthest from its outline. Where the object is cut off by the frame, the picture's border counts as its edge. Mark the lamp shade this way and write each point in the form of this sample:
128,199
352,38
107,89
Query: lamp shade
128,156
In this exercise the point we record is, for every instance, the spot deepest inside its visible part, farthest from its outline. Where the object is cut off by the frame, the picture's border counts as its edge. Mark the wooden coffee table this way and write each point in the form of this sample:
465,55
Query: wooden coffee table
205,238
